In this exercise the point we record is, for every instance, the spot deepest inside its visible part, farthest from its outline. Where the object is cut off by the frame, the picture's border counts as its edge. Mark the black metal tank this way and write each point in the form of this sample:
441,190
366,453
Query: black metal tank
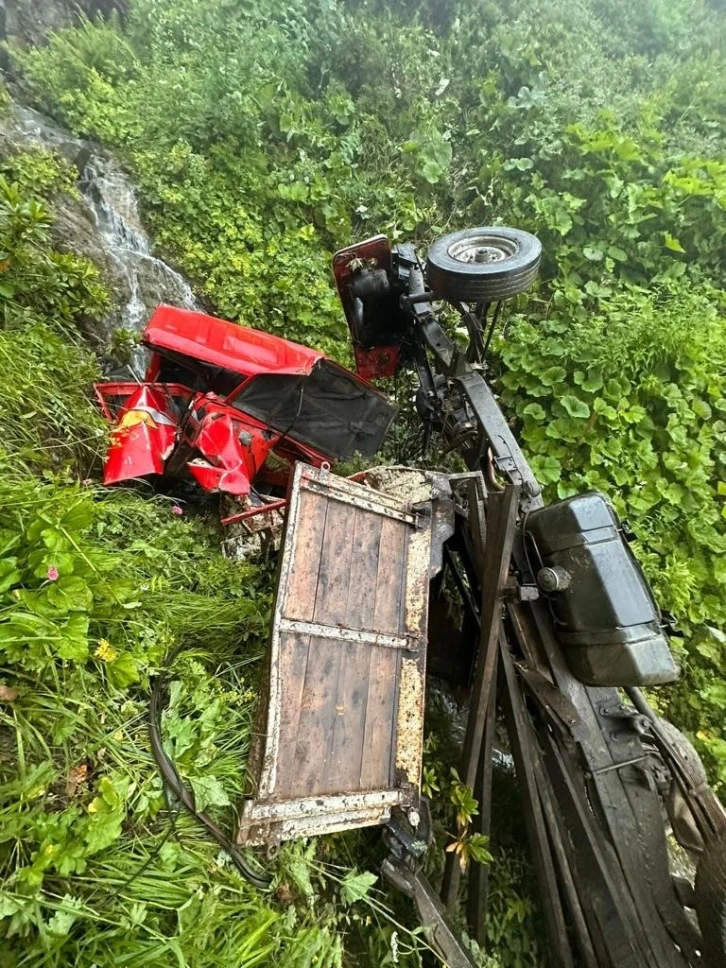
605,616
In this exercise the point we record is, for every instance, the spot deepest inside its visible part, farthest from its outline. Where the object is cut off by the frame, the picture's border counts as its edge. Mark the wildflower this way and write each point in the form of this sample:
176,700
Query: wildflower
176,509
52,574
105,651
87,481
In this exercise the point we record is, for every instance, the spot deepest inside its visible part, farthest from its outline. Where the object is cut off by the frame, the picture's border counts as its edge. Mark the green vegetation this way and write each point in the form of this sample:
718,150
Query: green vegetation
262,136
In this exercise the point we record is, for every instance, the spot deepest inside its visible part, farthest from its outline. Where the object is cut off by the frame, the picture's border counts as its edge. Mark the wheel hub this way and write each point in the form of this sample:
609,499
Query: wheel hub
482,249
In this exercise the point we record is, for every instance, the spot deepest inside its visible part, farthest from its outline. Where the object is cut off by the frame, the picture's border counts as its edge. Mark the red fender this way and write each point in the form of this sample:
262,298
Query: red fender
234,449
144,437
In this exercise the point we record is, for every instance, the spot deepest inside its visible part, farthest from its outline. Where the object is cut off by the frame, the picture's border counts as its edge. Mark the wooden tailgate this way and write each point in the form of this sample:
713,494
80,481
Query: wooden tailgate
344,715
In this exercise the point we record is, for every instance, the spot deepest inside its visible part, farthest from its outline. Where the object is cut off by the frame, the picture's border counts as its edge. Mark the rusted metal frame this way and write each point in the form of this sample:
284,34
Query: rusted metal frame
464,590
611,914
253,512
707,811
559,837
496,432
502,522
478,885
501,526
298,807
612,799
522,623
334,485
358,636
508,457
412,664
477,534
438,928
358,477
650,879
557,710
525,751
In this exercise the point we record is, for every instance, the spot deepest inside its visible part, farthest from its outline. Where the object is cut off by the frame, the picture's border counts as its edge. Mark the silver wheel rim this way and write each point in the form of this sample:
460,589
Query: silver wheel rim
482,249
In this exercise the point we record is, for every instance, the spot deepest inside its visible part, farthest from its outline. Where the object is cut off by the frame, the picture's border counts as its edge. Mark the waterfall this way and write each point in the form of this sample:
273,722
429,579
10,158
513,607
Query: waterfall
111,197
139,280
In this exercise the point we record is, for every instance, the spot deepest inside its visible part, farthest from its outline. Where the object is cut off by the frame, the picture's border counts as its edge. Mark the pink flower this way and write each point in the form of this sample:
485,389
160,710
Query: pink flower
176,509
52,573
87,481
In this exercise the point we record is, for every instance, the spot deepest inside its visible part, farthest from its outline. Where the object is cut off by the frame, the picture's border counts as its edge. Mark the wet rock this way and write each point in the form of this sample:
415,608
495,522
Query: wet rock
103,225
29,21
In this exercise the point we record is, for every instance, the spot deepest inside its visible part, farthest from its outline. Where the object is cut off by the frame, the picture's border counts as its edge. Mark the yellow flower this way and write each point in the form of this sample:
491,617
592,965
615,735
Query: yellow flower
105,651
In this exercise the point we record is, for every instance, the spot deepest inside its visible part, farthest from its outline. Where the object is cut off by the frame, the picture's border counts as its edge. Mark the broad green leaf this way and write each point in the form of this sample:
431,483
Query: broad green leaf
123,671
547,469
593,381
701,409
604,409
561,221
552,375
672,243
355,886
535,410
575,407
432,171
208,792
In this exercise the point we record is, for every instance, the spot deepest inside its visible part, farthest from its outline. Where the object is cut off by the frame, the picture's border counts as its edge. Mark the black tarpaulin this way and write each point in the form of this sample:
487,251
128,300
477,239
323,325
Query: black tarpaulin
329,410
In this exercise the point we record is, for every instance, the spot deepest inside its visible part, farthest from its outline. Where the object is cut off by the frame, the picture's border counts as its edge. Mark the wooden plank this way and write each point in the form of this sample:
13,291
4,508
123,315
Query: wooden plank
318,710
342,770
502,526
559,836
360,662
388,615
378,746
331,600
298,594
379,739
366,541
293,652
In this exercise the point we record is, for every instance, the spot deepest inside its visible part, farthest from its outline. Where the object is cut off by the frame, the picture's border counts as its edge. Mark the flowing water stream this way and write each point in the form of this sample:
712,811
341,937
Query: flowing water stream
140,280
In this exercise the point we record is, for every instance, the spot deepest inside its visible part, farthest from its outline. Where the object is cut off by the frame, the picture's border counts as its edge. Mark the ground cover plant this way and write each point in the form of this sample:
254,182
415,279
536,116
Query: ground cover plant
263,136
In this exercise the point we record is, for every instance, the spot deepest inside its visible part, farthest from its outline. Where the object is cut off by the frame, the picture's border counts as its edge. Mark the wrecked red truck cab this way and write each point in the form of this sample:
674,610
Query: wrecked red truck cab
218,400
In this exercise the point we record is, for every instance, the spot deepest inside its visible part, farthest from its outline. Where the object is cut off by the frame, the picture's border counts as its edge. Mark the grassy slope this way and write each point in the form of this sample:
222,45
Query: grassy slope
262,136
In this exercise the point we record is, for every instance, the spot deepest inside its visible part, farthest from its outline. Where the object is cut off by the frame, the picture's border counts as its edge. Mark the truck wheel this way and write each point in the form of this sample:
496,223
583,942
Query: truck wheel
483,265
710,890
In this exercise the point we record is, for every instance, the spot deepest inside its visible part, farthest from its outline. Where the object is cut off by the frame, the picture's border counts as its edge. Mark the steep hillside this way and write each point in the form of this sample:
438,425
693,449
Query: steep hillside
261,137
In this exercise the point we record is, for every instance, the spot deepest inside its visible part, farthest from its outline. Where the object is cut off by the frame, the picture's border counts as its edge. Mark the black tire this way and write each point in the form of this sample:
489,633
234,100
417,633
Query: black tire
483,265
710,890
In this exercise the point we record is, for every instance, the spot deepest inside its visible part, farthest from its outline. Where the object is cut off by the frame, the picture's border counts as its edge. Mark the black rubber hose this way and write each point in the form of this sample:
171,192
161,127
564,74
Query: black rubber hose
173,781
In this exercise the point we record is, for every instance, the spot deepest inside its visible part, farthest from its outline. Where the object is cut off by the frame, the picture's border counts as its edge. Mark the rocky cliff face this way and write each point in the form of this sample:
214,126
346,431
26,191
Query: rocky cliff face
103,224
28,21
